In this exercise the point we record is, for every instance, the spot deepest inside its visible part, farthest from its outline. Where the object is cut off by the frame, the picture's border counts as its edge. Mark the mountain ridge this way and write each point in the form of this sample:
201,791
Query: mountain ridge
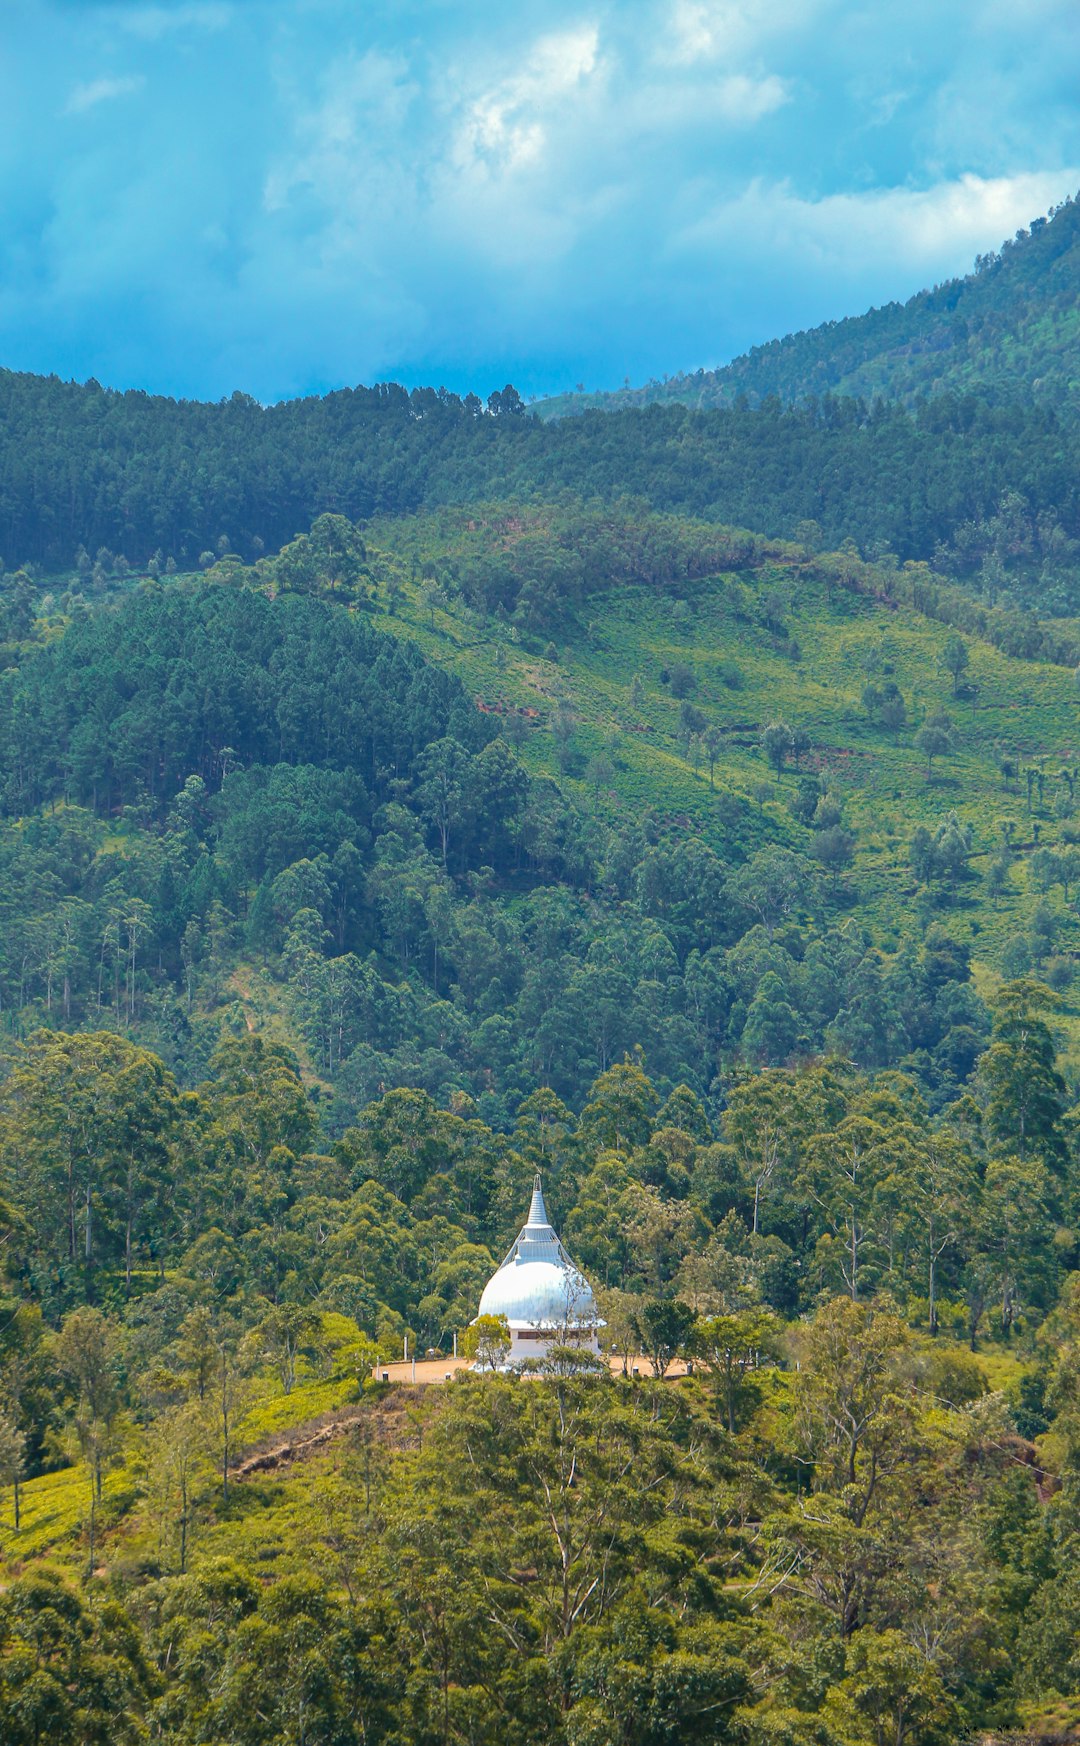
1009,326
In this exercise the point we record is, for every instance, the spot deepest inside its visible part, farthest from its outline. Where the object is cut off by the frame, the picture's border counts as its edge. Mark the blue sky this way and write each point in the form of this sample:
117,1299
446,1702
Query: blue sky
289,195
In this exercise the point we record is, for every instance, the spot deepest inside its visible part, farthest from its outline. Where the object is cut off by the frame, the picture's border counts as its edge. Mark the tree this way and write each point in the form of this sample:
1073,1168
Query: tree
619,1107
487,1342
834,848
769,1121
89,1125
178,1458
893,714
260,1117
855,1425
71,1673
771,884
777,742
287,1333
692,722
713,741
997,878
599,773
12,1459
442,770
86,1351
891,1694
1015,1232
619,1311
939,1194
684,1110
842,1173
1026,1092
942,854
197,1349
664,1326
230,1400
771,1030
954,659
658,1232
884,704
935,739
731,1347
338,550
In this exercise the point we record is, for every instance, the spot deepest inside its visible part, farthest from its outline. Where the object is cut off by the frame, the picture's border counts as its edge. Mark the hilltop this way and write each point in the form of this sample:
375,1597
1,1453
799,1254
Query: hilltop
1010,328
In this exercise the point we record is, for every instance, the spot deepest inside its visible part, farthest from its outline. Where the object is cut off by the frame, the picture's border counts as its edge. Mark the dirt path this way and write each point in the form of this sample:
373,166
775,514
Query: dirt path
386,1413
387,1416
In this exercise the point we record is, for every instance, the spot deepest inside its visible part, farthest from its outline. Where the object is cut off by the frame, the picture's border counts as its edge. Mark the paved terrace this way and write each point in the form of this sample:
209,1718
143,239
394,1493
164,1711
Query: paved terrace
442,1369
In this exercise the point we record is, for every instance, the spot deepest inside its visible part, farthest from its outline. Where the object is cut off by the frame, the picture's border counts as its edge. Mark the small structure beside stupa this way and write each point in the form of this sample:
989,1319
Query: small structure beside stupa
546,1299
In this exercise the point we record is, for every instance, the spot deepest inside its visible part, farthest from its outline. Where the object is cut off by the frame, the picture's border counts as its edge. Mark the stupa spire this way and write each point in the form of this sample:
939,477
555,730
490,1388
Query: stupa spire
537,1209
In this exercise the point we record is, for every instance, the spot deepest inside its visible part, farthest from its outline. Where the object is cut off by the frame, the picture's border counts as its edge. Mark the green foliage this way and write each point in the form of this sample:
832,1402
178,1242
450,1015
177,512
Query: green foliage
70,1673
487,1341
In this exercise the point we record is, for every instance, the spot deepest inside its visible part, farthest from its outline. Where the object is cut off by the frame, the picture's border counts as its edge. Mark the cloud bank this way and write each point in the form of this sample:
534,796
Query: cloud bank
284,195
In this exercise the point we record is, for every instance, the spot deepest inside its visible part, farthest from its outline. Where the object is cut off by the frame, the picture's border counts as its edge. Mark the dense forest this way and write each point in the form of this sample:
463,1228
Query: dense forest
401,796
875,1542
92,478
199,776
1008,329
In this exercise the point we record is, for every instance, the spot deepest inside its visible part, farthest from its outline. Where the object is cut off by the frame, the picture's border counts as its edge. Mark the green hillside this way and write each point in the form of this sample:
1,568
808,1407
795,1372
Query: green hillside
1011,328
783,638
112,484
344,795
727,882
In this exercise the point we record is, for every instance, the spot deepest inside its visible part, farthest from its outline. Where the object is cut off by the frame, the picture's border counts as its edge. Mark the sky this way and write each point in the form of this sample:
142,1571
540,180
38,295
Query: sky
285,196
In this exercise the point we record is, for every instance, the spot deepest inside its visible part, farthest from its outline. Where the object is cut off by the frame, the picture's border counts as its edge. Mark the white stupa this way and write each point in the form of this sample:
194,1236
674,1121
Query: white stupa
546,1300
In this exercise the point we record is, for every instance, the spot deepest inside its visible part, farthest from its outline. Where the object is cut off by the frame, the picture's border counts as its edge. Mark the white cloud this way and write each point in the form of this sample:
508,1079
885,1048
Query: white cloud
412,186
96,91
151,23
935,230
506,127
706,30
741,99
346,146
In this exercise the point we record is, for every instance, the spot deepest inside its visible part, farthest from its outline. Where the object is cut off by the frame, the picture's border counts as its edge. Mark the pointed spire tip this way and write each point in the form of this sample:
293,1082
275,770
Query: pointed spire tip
537,1209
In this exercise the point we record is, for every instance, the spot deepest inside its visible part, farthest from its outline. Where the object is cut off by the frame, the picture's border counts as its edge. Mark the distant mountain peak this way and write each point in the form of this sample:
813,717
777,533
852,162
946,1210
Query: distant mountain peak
1011,326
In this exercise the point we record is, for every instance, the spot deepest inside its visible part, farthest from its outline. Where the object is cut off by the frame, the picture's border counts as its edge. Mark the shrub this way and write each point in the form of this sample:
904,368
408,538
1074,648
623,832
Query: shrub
682,679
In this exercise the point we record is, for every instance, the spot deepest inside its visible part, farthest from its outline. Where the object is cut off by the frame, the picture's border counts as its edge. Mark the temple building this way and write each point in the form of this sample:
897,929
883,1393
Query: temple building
546,1300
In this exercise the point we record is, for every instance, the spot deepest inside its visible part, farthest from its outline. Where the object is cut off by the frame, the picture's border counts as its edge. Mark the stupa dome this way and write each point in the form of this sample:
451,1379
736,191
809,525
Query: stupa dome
538,1288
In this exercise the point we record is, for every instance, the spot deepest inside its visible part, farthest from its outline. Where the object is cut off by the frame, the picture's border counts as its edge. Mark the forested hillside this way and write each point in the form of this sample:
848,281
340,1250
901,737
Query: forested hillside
730,883
399,797
1010,329
103,481
485,799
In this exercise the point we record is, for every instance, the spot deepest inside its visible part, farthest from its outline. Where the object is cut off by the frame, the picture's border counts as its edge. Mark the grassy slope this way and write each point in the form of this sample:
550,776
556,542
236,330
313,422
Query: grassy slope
292,1517
55,1507
1030,709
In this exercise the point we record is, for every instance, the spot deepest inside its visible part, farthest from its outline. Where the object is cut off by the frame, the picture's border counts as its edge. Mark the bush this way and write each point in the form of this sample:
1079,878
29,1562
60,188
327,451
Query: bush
731,674
953,1375
1058,972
